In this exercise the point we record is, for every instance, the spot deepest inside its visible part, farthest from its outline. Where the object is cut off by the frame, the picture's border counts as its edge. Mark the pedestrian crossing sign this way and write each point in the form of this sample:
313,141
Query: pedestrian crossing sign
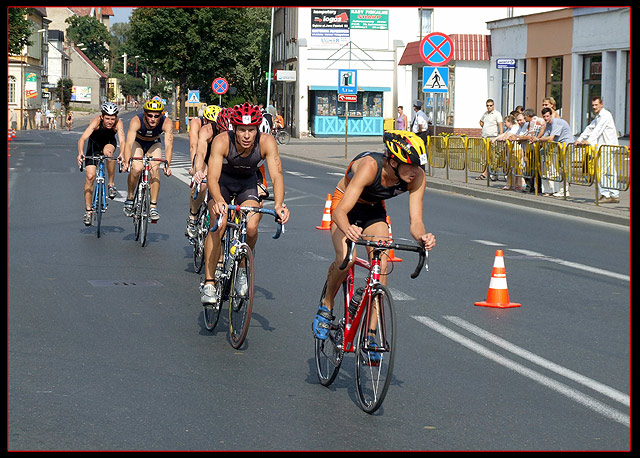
436,79
194,96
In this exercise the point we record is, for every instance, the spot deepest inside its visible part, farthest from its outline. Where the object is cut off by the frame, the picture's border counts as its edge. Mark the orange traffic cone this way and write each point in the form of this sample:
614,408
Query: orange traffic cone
498,295
392,256
326,217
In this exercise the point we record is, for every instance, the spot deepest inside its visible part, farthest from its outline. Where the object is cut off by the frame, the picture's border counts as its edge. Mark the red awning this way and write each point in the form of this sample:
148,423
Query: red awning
466,46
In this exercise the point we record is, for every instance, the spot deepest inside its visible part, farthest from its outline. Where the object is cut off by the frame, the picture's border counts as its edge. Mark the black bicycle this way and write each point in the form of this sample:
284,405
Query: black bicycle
237,263
202,229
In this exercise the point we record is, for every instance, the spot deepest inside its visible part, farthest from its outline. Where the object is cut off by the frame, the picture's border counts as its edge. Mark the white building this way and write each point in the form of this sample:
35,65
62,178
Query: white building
316,43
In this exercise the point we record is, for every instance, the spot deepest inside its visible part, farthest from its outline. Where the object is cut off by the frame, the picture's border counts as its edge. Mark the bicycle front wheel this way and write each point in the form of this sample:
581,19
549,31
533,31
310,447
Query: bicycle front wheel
99,206
241,296
202,230
375,350
145,205
211,312
329,352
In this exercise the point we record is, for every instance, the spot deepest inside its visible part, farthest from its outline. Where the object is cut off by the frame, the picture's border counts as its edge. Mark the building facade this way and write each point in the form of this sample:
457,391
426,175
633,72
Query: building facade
516,56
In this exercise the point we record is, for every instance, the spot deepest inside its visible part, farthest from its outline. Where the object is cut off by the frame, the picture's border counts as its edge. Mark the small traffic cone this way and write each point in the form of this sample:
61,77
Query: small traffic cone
326,217
13,133
498,295
392,256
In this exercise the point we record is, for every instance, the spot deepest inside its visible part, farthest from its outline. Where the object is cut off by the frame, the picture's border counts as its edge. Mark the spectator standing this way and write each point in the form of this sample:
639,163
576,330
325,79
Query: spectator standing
555,130
550,102
38,119
420,122
491,123
401,120
508,134
602,131
12,119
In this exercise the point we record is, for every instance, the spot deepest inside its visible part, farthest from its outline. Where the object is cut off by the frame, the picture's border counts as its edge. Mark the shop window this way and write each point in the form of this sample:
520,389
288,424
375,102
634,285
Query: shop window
591,86
554,81
368,104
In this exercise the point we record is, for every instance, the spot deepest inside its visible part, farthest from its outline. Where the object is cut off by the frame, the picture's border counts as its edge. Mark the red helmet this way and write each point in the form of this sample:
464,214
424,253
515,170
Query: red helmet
246,115
223,119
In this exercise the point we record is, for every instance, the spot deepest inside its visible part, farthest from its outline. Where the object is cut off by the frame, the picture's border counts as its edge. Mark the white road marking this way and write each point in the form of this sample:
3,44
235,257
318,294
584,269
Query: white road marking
488,242
586,381
574,265
575,395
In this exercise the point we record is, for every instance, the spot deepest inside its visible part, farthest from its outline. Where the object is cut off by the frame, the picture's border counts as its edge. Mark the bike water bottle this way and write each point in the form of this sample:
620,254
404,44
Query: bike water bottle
230,258
355,301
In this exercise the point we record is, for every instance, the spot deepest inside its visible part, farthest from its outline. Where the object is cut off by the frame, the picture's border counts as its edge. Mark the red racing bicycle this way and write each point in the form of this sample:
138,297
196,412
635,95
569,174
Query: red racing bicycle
365,326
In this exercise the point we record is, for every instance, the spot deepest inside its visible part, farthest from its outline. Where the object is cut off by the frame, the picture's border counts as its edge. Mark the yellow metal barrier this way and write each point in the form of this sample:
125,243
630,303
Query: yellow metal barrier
438,152
551,161
613,167
607,166
499,157
579,164
476,154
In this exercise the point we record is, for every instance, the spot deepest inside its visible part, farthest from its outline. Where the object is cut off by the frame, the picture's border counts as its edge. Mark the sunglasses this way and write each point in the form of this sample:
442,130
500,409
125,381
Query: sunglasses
152,116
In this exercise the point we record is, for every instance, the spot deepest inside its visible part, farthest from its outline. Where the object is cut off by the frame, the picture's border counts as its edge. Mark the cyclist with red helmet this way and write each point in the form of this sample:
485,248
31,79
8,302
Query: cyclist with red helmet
143,137
235,157
358,204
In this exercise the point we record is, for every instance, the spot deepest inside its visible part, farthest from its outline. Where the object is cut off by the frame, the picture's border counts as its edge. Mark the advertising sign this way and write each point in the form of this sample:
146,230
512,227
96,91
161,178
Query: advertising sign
80,94
371,19
31,85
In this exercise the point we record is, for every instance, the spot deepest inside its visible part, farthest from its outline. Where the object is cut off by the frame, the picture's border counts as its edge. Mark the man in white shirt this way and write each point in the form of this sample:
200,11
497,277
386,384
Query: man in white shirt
602,131
420,122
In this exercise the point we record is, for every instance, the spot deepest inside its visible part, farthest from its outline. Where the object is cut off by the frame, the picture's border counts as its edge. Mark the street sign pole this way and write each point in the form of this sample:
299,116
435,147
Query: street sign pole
346,126
436,49
348,89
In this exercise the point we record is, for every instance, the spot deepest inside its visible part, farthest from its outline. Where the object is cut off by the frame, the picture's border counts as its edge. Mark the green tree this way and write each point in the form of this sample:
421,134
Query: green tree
19,30
200,44
94,35
131,86
63,92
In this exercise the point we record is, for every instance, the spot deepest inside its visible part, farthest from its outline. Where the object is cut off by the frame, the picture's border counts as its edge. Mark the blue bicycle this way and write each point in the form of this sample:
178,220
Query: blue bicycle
99,201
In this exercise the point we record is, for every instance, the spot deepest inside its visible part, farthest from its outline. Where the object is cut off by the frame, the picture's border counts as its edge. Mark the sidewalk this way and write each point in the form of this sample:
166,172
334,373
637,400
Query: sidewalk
581,202
331,151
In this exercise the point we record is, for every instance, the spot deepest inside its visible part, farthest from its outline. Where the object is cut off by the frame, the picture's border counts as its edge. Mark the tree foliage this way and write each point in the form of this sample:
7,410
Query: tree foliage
94,35
19,30
193,46
63,92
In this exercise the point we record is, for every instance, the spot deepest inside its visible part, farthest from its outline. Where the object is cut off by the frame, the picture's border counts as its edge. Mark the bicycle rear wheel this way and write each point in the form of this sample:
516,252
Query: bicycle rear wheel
98,210
374,362
241,302
202,229
283,137
329,352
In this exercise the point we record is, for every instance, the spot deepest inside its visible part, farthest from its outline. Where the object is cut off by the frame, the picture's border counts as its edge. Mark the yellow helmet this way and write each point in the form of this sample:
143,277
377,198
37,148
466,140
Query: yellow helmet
212,112
153,105
405,147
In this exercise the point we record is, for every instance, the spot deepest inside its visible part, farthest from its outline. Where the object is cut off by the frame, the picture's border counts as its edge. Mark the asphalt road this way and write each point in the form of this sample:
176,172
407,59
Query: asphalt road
107,349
